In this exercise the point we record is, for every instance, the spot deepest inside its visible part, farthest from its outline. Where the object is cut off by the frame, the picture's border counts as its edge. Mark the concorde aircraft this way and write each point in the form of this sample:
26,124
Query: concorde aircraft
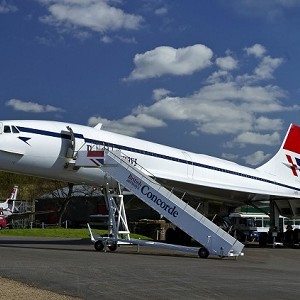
48,149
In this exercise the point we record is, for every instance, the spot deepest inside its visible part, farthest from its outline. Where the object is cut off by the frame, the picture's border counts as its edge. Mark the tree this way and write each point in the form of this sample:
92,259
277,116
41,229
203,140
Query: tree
65,203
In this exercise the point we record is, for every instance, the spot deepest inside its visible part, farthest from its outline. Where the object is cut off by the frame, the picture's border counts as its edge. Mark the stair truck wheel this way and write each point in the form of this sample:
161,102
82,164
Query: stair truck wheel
99,246
203,252
113,247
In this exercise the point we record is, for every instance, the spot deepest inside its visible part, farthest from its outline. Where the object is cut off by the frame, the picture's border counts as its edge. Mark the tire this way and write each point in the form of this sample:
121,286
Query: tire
99,246
203,252
113,247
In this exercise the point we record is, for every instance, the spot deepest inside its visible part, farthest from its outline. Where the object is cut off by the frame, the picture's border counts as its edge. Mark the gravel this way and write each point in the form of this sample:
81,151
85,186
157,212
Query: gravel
11,289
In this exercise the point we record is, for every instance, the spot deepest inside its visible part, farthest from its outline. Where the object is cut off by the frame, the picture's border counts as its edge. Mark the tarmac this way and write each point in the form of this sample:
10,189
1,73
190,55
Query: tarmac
71,268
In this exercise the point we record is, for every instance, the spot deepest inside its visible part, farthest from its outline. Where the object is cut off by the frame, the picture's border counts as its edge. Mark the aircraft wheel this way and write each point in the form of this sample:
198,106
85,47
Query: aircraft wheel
113,247
203,252
99,246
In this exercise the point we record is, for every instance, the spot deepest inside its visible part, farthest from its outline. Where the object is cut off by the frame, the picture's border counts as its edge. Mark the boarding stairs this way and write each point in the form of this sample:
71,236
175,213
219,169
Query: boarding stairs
214,240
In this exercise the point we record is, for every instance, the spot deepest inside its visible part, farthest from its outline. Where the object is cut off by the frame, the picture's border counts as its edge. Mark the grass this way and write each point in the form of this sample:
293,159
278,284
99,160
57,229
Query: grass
59,232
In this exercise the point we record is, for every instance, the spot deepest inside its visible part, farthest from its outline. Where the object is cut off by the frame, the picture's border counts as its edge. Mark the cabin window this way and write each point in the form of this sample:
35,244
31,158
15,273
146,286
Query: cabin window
266,222
259,222
6,129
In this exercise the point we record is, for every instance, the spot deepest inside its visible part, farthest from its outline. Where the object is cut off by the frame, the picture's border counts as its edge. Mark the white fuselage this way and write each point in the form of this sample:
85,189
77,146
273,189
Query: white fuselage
4,209
39,148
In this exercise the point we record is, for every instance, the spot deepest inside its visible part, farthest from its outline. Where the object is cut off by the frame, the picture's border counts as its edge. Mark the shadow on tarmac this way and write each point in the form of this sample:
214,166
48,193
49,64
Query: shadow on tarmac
85,245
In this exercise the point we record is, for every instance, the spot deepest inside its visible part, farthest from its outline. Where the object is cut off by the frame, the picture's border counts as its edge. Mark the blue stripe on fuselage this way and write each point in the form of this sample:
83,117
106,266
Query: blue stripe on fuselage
49,133
134,150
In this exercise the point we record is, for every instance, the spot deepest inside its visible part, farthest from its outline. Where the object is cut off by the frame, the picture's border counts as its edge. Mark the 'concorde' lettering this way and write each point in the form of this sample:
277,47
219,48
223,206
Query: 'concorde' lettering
166,207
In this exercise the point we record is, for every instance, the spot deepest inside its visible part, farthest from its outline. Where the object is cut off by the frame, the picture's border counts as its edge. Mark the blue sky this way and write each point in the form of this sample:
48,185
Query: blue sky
219,77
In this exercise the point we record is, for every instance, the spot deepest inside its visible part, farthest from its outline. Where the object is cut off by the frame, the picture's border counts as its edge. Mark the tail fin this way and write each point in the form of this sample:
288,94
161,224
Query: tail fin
12,198
286,162
13,194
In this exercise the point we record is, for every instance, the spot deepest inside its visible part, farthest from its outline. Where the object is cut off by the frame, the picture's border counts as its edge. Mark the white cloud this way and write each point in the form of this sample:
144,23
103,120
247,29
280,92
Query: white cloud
264,70
106,39
171,61
221,108
256,158
126,40
257,50
227,63
258,139
267,66
158,94
194,133
6,8
32,107
82,35
242,93
219,76
209,115
224,104
267,9
144,120
161,11
94,15
264,123
116,126
230,156
130,125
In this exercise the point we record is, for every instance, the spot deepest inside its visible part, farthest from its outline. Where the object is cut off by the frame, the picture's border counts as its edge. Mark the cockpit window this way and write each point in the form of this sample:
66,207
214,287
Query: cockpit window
6,129
14,129
10,129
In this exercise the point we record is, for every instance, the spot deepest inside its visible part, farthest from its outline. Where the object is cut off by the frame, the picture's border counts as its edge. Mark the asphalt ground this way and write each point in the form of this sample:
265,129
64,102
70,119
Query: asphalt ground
74,268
